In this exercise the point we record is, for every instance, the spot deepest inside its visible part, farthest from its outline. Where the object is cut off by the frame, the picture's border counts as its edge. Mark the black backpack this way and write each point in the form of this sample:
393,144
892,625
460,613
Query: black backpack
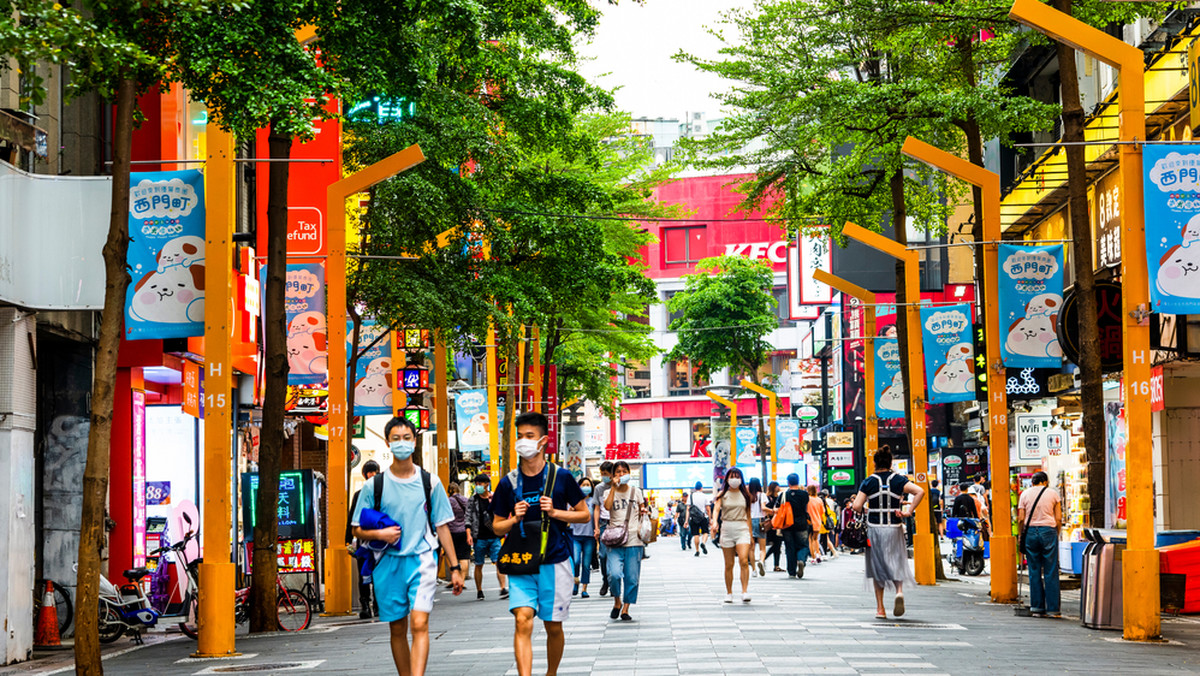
694,512
426,483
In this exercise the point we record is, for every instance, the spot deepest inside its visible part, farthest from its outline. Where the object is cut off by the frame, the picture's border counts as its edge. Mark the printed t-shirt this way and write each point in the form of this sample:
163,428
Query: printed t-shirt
1044,514
566,495
404,501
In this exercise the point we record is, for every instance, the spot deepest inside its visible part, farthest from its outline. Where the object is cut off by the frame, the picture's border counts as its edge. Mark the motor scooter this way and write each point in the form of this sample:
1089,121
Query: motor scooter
967,546
173,594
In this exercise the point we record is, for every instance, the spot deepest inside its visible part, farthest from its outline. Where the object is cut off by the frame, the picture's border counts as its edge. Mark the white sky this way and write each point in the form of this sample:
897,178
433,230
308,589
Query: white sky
634,45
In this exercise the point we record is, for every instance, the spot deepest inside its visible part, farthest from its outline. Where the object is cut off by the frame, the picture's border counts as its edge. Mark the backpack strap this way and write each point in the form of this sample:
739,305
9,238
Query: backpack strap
427,485
378,487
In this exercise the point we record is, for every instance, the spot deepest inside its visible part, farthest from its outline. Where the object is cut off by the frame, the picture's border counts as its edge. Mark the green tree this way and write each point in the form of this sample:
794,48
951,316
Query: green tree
727,309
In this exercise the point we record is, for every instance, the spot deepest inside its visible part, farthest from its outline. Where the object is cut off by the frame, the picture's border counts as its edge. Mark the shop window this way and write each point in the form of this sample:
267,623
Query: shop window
685,245
684,379
781,302
637,380
685,433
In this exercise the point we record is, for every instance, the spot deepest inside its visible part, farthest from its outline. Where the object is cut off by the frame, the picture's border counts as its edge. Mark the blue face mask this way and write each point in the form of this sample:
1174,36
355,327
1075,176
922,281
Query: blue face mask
587,490
606,479
480,490
402,450
624,479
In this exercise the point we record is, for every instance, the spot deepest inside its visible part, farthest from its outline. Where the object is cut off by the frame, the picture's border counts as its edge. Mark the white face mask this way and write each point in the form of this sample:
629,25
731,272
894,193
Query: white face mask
402,450
735,482
527,448
624,479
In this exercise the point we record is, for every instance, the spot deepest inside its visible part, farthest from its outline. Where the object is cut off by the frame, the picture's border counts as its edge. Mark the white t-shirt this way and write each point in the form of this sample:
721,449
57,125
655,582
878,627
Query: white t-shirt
700,500
756,509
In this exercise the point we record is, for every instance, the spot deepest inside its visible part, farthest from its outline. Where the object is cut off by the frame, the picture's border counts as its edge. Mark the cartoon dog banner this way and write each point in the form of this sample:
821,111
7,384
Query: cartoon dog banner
373,376
1172,200
1031,286
949,353
474,432
304,305
166,255
889,382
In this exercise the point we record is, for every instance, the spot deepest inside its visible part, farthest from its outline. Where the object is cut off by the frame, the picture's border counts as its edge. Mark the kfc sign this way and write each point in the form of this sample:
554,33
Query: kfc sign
1156,389
776,252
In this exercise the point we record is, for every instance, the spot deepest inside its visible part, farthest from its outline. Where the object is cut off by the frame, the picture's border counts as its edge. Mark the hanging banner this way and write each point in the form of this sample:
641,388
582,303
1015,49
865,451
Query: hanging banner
787,439
471,412
1116,437
949,353
747,444
1031,285
573,450
1172,201
373,375
166,255
304,299
889,382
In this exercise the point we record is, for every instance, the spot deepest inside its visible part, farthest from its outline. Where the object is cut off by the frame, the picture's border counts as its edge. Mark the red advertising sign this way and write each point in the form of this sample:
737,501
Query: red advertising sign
292,556
139,478
1156,389
192,389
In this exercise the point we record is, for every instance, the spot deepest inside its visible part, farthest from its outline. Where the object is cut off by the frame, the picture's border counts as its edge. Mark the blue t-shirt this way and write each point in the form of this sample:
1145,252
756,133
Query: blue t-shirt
566,495
404,501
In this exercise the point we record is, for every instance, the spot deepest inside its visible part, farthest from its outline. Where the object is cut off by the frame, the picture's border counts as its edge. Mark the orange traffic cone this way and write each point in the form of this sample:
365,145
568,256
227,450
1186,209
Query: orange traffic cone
45,633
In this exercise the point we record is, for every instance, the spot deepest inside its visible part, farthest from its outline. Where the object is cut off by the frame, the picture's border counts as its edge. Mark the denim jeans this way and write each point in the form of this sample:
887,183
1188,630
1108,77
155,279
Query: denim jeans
795,543
624,566
1041,544
581,550
603,549
683,536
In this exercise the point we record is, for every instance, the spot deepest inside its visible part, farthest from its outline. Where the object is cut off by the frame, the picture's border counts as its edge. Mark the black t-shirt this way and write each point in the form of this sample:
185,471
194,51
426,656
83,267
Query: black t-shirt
877,500
566,495
964,507
798,499
483,508
680,511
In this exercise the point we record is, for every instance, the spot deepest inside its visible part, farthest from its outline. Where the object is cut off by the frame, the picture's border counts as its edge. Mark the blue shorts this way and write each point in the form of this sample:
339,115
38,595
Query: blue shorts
489,548
548,592
756,530
404,584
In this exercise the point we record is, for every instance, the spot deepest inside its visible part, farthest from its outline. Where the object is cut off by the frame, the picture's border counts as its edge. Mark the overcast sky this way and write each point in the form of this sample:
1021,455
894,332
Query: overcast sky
634,45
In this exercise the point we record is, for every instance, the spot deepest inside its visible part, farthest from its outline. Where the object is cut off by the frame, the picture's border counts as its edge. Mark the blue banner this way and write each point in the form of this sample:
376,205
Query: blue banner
949,353
373,375
1172,201
1031,285
889,382
471,412
166,255
304,300
787,439
747,444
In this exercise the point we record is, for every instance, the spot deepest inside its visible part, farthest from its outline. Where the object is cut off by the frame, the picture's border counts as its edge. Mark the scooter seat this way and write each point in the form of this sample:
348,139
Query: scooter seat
135,574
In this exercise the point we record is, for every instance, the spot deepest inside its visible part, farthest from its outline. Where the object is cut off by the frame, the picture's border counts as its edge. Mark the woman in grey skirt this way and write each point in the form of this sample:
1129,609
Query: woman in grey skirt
882,494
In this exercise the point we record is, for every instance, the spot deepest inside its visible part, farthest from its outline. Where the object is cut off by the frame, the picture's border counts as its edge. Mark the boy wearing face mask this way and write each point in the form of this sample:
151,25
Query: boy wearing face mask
405,576
547,593
479,521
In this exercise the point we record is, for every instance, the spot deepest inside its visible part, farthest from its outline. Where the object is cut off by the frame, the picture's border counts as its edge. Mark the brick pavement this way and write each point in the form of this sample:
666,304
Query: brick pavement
820,625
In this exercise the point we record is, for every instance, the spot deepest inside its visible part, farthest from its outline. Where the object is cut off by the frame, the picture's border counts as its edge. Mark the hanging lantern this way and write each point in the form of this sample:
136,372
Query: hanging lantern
413,379
411,339
417,415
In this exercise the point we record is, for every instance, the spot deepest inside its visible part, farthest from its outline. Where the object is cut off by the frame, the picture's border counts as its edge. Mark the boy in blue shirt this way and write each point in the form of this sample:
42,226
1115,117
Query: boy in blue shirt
546,594
405,576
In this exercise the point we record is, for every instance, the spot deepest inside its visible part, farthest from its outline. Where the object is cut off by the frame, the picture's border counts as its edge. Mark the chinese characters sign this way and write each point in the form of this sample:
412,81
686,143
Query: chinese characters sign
165,298
304,300
889,383
1172,202
1031,284
1108,319
949,353
296,513
373,376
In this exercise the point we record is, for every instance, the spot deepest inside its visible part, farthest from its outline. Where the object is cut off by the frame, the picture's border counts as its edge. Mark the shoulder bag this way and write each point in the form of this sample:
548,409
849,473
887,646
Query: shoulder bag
616,535
1028,519
524,548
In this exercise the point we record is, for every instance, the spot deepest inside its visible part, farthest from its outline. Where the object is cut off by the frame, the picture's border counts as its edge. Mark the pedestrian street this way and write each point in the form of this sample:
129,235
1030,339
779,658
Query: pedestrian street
822,624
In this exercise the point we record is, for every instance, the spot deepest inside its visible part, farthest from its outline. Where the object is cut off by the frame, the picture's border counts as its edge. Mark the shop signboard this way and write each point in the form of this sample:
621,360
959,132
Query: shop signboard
306,400
1105,212
165,298
840,477
839,458
1172,203
1027,383
889,383
1156,389
839,440
297,508
1031,286
1116,437
1036,438
952,466
139,478
673,475
787,439
158,492
373,372
193,389
949,353
304,301
291,556
1108,320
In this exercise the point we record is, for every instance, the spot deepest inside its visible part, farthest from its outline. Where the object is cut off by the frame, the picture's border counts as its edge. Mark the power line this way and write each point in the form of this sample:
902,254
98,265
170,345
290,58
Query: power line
586,217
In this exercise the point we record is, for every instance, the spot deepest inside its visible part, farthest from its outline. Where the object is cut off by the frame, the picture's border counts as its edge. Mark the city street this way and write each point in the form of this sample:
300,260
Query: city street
822,624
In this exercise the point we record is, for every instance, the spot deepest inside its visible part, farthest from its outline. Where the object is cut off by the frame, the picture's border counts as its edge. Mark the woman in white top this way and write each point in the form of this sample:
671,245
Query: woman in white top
624,502
757,533
732,510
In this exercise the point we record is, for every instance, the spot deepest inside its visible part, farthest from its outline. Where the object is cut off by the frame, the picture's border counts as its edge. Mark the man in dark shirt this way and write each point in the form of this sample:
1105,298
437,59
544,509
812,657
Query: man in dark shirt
367,606
795,536
479,523
964,504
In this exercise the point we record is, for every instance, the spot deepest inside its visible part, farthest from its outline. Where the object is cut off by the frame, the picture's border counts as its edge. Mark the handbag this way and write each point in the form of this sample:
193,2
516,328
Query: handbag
616,535
524,548
1028,519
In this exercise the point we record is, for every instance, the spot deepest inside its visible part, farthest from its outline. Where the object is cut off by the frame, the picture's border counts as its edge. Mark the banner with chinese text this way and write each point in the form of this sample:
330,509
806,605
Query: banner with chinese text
889,382
1172,202
949,353
1031,286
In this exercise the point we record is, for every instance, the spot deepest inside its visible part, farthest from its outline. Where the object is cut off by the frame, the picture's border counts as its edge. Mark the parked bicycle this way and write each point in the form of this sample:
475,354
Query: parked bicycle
292,610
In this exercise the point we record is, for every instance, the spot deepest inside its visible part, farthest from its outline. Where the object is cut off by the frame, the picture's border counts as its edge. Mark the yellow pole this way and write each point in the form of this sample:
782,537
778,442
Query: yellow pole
772,403
1140,567
1004,546
867,298
441,404
923,539
217,571
338,574
733,421
494,421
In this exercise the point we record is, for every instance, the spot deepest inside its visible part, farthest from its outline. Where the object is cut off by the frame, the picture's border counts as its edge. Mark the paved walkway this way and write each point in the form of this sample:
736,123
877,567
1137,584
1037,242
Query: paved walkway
822,624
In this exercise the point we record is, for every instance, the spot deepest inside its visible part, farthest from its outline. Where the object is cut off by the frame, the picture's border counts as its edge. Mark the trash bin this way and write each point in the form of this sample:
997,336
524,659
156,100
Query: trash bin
1101,592
1167,538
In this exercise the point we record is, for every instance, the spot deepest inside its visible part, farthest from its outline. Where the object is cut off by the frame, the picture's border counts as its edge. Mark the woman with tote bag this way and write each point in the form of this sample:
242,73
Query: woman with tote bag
624,540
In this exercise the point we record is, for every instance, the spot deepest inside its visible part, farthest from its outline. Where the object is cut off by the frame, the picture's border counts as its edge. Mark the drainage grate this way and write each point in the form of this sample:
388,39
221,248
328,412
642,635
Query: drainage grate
258,667
913,625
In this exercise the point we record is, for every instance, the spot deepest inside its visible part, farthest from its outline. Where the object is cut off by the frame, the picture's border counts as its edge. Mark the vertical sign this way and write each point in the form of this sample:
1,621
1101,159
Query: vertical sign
1193,57
193,389
949,353
1116,438
304,300
796,308
573,458
787,439
1031,284
552,441
889,381
815,254
139,478
1172,201
1157,403
373,375
471,415
166,255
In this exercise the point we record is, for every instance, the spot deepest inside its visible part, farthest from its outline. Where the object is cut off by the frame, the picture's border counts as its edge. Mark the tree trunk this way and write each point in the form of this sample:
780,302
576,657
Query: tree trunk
1092,389
266,527
900,225
112,325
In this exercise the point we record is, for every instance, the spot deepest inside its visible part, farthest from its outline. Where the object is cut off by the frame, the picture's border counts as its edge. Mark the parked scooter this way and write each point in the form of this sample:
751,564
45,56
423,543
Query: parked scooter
173,594
966,552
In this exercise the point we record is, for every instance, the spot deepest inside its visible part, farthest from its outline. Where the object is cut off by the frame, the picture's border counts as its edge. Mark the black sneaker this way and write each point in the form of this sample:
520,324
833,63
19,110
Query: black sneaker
616,612
503,593
704,547
697,553
604,588
365,614
479,594
799,570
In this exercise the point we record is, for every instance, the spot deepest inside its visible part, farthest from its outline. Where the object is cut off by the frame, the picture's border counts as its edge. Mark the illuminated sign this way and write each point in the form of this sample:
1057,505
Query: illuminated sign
297,517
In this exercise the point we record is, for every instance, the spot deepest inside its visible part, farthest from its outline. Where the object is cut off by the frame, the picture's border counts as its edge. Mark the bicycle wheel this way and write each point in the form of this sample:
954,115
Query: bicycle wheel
110,624
62,604
188,625
292,611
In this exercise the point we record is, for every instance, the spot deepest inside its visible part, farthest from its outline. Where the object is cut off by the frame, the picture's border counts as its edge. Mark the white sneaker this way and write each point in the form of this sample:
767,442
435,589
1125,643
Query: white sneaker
745,598
729,598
